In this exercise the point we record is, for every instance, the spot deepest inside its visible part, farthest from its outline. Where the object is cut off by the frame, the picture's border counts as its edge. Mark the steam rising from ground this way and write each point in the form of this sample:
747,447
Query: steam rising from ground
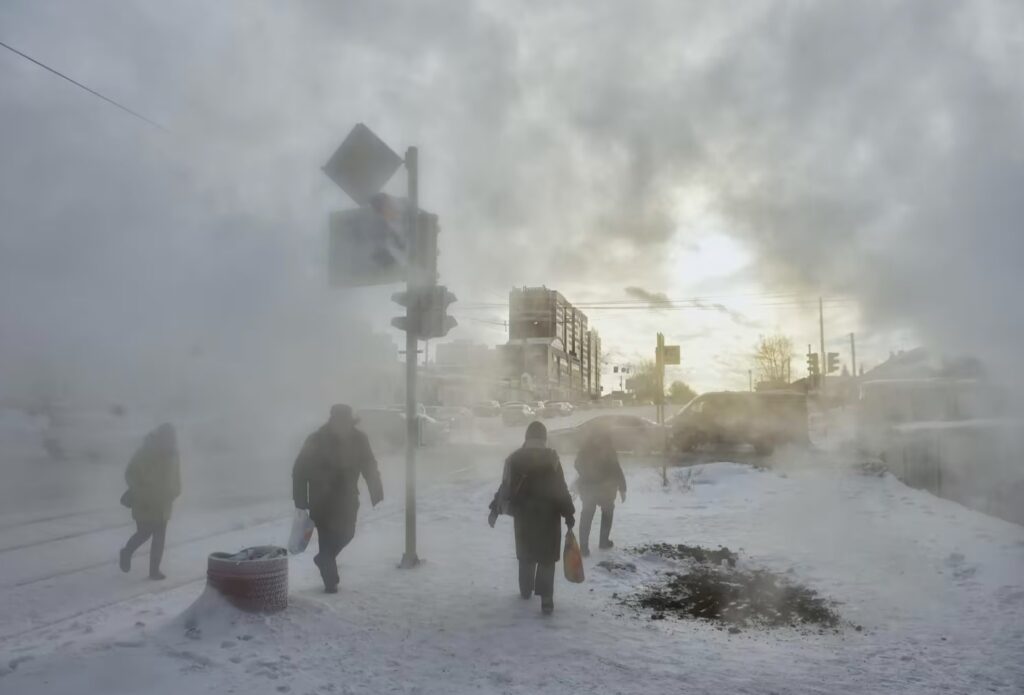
871,151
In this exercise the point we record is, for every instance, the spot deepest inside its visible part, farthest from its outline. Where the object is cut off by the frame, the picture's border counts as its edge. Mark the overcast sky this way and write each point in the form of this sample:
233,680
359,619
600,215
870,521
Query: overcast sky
754,155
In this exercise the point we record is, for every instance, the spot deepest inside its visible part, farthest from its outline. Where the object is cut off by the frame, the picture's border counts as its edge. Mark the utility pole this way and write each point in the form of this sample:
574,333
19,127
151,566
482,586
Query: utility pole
361,166
750,380
821,328
659,368
853,356
414,283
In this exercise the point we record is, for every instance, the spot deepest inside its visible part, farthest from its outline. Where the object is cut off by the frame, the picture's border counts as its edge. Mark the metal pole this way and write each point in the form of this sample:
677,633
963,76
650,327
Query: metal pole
414,284
823,359
659,365
853,356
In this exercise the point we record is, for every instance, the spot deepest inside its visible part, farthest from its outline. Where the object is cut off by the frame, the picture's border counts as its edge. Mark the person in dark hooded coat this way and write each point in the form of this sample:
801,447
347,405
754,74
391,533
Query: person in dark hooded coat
324,481
600,478
154,482
534,492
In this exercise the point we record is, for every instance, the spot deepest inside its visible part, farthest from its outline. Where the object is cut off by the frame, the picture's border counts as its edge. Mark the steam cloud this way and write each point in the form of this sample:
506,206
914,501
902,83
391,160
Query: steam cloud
873,151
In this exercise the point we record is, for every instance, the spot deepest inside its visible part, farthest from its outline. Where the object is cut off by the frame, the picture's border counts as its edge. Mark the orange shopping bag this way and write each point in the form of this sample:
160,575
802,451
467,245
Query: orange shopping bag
572,558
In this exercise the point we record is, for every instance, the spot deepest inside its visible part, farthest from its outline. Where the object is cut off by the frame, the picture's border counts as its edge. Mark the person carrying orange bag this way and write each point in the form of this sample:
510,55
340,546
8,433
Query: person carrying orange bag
572,559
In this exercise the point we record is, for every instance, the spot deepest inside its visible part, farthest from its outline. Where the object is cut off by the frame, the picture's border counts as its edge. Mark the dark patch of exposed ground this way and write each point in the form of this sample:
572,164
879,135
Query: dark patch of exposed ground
709,586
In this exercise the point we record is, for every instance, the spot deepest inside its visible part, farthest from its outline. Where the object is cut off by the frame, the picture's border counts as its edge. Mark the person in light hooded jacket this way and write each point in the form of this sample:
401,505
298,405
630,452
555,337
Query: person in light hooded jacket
533,491
154,482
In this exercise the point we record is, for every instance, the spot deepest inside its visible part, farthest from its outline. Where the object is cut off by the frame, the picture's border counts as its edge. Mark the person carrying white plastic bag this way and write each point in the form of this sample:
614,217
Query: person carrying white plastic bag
302,532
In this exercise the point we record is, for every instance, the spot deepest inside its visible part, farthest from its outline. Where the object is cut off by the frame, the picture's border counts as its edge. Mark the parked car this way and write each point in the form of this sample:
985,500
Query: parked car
885,404
513,414
386,428
629,433
487,409
761,419
400,407
457,417
611,403
556,409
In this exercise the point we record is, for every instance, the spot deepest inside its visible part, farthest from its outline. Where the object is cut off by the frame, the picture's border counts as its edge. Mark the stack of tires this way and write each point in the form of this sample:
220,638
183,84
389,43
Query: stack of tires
253,580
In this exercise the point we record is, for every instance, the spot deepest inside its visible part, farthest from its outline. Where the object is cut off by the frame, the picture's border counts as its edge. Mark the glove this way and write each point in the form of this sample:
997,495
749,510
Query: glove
570,521
492,517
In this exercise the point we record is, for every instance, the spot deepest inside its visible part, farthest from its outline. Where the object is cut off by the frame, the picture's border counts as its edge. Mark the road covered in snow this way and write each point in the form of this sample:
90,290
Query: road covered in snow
930,595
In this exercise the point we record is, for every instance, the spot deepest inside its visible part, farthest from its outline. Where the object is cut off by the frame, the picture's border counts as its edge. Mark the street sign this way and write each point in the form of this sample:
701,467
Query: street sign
362,164
370,245
670,354
363,249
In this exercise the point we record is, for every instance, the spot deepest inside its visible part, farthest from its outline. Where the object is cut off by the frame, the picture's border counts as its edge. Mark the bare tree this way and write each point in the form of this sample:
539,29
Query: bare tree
644,382
772,355
680,393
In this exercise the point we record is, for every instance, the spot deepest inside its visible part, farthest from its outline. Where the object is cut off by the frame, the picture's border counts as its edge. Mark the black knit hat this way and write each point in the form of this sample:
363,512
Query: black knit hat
537,430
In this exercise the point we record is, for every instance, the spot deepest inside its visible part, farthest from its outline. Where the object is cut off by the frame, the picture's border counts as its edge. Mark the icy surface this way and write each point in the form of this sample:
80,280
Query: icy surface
938,589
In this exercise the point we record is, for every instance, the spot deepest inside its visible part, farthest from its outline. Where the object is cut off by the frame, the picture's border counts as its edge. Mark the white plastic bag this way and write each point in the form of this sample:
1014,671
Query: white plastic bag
302,532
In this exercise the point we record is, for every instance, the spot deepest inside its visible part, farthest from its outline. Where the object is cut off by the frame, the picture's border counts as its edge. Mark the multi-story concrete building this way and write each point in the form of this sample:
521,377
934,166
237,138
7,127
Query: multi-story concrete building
462,373
551,353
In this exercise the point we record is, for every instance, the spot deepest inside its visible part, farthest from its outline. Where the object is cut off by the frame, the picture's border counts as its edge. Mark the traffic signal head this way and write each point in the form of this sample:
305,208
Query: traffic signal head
812,364
833,362
436,321
427,314
412,301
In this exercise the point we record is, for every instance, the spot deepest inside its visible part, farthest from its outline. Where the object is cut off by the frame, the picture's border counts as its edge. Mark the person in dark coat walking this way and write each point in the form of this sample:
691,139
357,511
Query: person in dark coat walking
600,478
534,492
154,482
324,481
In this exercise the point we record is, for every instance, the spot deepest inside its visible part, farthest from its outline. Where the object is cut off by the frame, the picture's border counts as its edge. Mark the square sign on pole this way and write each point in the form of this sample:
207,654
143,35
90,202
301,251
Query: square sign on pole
362,164
671,354
371,245
363,249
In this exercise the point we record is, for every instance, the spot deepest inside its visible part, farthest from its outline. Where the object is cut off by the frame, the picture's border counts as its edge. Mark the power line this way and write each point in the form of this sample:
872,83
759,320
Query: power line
702,302
664,306
82,86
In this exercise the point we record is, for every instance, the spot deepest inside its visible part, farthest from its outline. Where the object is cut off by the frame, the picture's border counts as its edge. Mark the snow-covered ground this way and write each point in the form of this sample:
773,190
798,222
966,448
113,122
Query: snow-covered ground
938,589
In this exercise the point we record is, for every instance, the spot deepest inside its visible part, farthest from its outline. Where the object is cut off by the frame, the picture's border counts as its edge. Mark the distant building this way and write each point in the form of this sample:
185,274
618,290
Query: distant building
551,353
463,373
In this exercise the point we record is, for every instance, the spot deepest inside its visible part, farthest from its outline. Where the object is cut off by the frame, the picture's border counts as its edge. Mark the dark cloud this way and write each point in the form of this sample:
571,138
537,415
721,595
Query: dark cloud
655,299
660,300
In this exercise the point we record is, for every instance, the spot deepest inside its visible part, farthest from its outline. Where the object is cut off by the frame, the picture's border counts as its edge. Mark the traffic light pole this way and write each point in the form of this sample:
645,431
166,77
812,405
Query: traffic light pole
413,283
659,367
823,364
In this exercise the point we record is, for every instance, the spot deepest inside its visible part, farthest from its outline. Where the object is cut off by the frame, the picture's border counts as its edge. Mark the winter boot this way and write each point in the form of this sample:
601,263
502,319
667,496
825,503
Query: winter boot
330,588
126,560
606,529
547,605
585,550
157,575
